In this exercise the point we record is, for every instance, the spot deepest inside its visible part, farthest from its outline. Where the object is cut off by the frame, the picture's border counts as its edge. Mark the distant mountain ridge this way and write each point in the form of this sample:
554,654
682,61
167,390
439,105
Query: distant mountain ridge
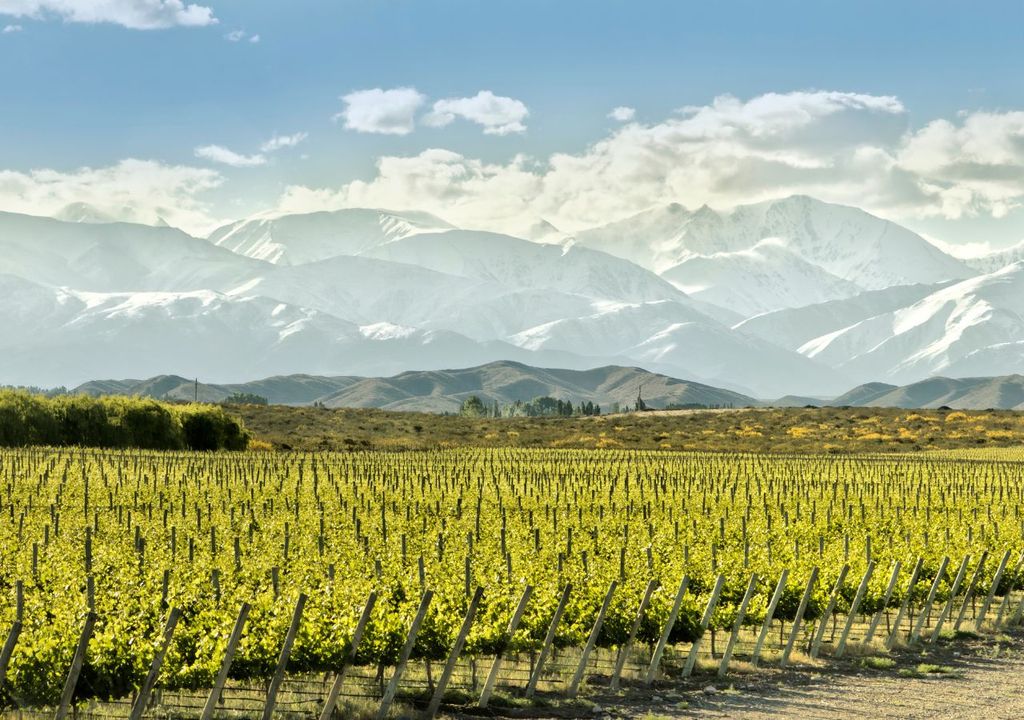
506,382
792,296
444,390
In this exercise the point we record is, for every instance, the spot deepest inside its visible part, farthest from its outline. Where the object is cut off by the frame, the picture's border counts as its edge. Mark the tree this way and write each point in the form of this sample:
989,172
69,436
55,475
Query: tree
472,407
245,398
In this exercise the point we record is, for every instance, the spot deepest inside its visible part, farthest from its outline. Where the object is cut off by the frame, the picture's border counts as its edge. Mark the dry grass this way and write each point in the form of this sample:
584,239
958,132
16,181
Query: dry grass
996,434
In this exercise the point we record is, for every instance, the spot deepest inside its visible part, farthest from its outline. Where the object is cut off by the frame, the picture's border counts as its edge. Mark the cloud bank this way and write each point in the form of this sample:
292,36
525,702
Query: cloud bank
142,191
133,14
843,147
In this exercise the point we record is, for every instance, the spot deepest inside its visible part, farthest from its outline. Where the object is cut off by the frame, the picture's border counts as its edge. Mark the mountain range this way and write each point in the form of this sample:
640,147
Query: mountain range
793,296
506,382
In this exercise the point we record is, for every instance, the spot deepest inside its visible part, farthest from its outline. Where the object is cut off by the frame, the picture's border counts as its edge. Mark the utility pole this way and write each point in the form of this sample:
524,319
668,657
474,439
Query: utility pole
196,391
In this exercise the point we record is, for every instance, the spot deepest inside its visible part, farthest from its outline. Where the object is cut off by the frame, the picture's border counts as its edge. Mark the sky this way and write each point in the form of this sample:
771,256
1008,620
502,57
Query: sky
499,114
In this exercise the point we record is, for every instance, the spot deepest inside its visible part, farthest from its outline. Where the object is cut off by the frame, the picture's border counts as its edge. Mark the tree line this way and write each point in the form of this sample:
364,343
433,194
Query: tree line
545,406
116,422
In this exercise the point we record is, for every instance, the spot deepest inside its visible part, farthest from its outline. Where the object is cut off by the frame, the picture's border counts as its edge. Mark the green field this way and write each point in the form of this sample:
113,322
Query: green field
205,532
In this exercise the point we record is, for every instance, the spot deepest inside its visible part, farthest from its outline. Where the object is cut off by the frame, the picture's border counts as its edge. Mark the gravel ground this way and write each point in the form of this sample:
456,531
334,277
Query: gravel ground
981,679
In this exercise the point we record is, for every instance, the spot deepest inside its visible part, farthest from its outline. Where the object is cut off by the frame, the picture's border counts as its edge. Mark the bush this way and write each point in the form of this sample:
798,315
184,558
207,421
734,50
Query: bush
116,422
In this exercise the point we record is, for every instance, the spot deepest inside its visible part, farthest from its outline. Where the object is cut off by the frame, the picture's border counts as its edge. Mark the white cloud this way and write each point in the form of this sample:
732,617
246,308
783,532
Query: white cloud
8,29
240,35
134,14
836,145
143,191
224,156
622,113
974,167
283,141
498,115
387,112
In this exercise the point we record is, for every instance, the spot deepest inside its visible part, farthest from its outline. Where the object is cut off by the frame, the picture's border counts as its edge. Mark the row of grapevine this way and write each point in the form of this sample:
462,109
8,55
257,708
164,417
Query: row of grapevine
123,536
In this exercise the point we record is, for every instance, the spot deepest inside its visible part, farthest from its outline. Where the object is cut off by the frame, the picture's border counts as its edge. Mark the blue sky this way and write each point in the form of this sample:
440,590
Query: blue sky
86,89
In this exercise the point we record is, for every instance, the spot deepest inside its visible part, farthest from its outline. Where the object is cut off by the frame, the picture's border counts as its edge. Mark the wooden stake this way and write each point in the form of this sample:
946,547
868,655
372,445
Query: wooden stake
970,591
862,590
823,621
357,636
723,668
513,625
282,660
625,649
577,678
948,607
531,687
691,659
769,616
225,665
895,633
453,656
801,609
403,660
76,667
992,591
922,617
659,650
893,579
142,699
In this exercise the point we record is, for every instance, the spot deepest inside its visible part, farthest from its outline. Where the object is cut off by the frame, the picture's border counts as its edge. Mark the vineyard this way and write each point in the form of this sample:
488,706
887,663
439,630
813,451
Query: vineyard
177,584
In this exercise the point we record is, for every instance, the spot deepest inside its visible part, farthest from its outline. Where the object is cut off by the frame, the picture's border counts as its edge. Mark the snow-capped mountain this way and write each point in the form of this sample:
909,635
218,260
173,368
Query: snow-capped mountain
837,297
997,260
763,278
971,328
682,342
846,243
793,327
309,237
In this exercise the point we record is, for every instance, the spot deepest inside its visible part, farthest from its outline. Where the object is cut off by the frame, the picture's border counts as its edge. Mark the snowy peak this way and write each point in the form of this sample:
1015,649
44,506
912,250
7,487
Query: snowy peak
81,212
845,242
310,237
761,279
997,260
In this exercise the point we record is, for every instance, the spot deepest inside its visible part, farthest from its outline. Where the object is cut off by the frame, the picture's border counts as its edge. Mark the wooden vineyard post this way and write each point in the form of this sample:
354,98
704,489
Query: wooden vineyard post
625,649
225,665
823,622
453,656
970,591
666,633
723,668
992,591
76,667
403,659
893,579
862,590
142,699
513,625
769,615
581,669
895,633
282,660
801,609
1018,613
705,621
15,632
357,636
549,639
948,607
1006,598
922,617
